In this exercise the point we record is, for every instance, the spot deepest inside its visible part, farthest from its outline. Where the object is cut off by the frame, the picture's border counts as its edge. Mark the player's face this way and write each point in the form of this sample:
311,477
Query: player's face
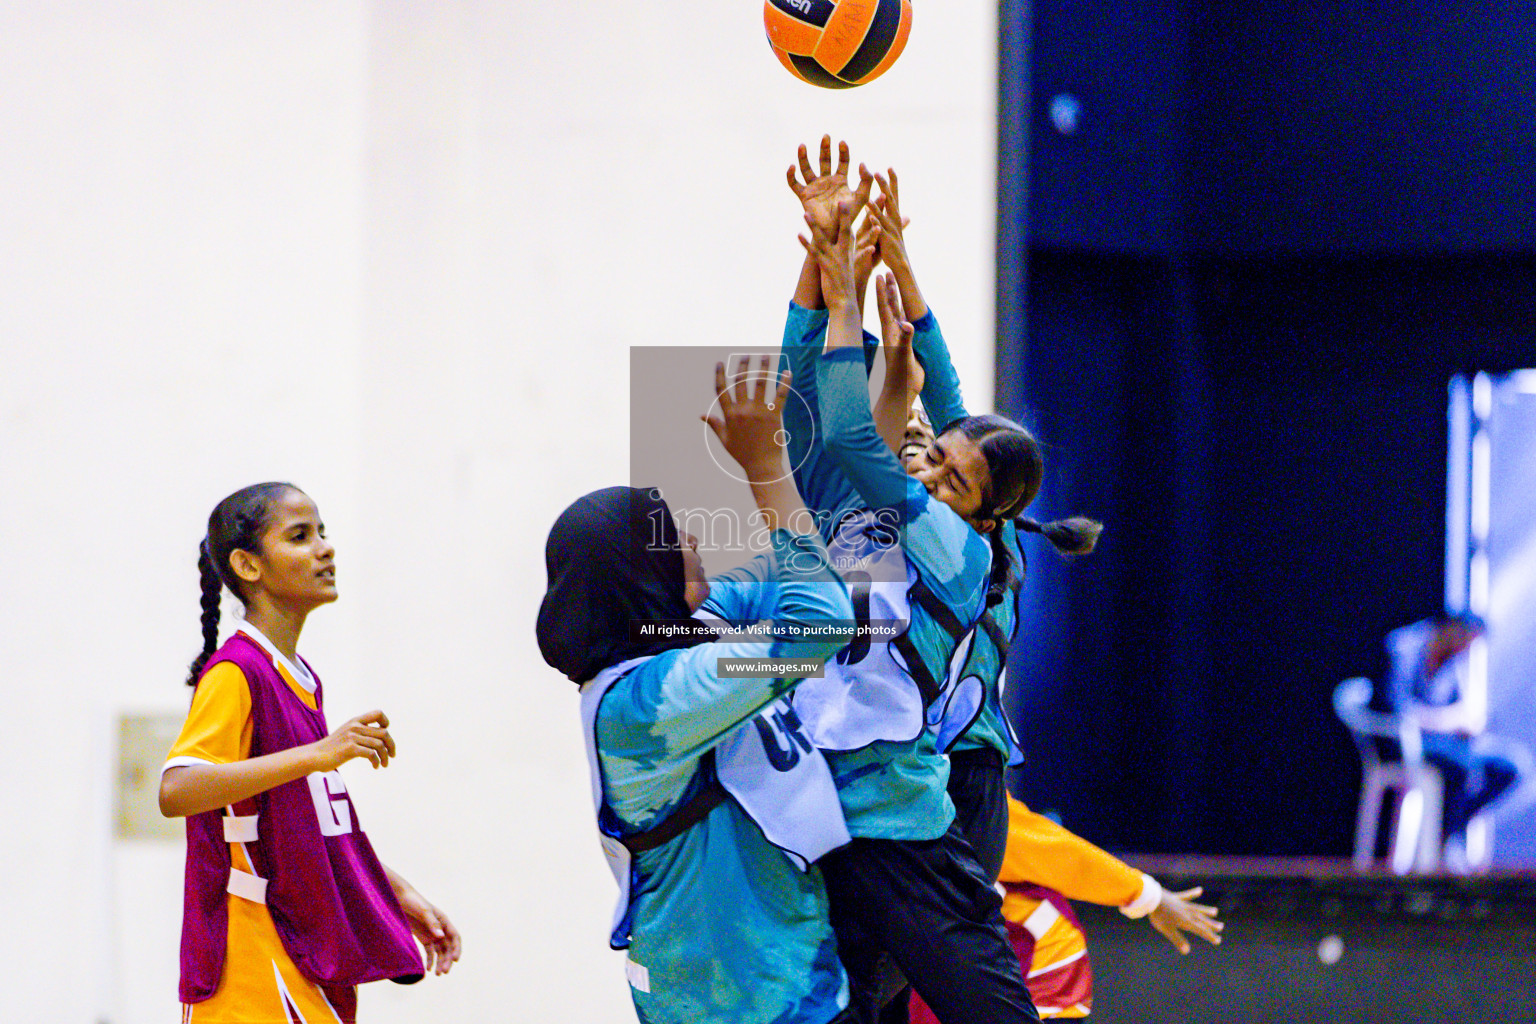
296,562
918,436
954,471
695,586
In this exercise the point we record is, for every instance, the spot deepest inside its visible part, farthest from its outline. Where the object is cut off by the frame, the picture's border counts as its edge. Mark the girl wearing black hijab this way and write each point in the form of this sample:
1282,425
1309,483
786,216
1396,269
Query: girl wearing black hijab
711,803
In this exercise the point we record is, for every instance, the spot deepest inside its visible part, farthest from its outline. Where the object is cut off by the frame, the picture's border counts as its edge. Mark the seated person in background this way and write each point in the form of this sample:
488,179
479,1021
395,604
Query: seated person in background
1044,866
1429,683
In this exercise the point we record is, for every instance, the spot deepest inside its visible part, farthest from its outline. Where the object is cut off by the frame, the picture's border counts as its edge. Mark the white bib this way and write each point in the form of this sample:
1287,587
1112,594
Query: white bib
767,764
867,693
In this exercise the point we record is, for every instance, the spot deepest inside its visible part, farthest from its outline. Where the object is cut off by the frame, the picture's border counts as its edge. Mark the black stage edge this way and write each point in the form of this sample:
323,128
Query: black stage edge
1313,940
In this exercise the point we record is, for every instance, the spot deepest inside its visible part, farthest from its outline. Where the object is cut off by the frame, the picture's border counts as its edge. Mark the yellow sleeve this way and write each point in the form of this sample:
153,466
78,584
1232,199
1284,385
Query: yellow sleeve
218,727
1041,852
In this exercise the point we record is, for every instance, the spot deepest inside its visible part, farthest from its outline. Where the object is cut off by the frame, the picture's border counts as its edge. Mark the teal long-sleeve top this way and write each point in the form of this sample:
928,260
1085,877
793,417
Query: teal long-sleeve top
724,929
889,790
945,407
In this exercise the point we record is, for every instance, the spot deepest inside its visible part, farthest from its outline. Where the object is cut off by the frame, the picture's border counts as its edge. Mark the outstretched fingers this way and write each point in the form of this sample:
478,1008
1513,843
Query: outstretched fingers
716,421
743,380
890,199
888,298
866,181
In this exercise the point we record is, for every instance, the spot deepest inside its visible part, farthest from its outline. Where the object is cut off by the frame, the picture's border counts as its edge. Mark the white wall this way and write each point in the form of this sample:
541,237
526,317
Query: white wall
396,253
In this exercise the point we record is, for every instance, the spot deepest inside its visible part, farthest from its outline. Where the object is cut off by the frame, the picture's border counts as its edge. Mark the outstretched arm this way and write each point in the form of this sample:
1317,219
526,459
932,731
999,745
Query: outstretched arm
941,385
1041,852
823,485
903,374
836,252
893,246
851,440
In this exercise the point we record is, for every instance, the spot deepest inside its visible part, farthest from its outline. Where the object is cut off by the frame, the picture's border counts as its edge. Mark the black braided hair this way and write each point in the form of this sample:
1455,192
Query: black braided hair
1016,468
212,589
1002,569
236,523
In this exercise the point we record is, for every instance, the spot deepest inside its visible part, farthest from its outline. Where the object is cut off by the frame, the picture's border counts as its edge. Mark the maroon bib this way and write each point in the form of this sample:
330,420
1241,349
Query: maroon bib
333,906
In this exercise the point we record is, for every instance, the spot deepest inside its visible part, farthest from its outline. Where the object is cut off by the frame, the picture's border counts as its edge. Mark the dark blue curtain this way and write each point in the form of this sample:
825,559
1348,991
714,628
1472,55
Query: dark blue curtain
1244,375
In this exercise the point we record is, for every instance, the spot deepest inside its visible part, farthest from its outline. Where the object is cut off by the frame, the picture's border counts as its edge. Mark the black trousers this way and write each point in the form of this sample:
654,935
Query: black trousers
932,909
980,795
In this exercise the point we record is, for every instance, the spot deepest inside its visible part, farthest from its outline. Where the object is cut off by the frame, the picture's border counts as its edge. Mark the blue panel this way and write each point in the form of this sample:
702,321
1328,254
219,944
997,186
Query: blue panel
1511,615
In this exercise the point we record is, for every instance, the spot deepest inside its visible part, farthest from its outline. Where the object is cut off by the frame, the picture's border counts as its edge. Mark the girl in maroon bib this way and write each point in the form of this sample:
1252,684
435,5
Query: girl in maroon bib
270,825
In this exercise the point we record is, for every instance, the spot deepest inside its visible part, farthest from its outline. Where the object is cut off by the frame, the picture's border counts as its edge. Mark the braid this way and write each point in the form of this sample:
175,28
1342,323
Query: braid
1002,568
1073,536
212,590
235,525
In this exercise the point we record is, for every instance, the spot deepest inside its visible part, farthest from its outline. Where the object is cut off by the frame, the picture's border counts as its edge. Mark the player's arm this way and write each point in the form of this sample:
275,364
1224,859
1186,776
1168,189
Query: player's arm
940,385
673,709
842,392
1044,853
440,941
188,789
903,375
748,425
893,246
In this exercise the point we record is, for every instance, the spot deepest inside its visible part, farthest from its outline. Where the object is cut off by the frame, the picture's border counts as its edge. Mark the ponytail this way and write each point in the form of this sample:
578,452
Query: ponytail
1073,536
1015,470
212,589
1070,537
236,524
1002,568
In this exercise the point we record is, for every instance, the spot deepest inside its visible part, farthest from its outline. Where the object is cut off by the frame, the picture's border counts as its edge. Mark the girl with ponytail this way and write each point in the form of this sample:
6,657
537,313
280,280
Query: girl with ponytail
972,729
907,887
977,734
287,908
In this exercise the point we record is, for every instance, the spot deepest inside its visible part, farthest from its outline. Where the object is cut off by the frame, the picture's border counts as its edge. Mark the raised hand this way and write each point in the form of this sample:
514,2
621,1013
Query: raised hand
896,335
750,421
367,736
837,253
821,193
903,373
886,212
867,255
1176,914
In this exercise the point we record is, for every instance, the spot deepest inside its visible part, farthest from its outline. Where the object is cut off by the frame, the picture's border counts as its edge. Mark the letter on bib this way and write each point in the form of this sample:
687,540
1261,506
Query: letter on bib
332,806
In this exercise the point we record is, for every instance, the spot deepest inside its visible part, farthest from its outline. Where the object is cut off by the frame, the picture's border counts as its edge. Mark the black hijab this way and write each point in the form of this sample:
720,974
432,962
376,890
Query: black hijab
614,558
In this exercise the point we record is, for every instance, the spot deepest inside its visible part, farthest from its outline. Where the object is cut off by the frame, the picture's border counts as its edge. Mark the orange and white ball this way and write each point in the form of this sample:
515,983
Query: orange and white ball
837,44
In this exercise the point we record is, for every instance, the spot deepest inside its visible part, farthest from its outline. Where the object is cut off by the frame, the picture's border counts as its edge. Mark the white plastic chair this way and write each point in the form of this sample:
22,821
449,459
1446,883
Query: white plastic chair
1415,845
